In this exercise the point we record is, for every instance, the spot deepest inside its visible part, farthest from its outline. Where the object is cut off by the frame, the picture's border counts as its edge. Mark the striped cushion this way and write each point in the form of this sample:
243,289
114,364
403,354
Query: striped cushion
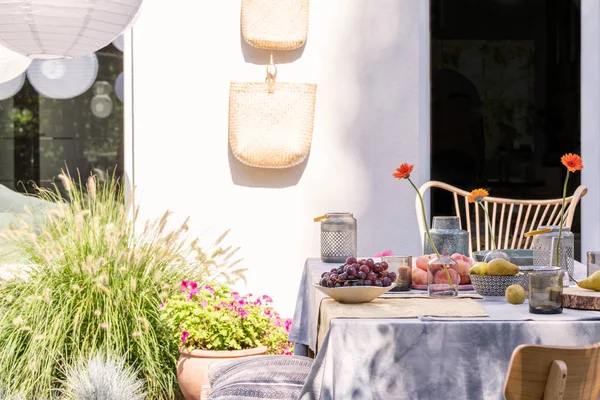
259,377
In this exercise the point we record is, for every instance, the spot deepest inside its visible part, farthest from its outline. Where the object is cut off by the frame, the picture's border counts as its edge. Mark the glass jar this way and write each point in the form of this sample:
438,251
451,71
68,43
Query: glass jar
402,267
442,277
338,237
545,291
544,250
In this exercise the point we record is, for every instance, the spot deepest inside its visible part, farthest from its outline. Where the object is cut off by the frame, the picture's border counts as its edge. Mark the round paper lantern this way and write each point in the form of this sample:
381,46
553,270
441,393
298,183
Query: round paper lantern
12,87
63,78
119,87
63,28
119,43
101,105
12,65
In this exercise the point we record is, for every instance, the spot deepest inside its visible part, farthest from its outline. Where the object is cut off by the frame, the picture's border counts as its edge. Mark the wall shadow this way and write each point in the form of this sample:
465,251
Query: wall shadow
256,56
244,175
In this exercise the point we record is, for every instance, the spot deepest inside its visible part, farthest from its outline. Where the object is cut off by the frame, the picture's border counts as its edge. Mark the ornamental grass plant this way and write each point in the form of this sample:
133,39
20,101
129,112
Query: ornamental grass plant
96,281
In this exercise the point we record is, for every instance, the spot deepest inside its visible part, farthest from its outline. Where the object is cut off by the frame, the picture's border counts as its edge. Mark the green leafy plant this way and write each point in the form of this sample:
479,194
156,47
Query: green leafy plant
96,281
211,317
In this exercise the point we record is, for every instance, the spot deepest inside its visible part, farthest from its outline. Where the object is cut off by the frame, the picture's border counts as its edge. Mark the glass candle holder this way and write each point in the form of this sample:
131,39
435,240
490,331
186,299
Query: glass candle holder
593,262
545,291
402,267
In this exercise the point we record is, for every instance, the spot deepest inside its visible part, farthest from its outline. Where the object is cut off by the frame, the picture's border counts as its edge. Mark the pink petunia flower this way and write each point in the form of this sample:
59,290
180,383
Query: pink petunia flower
384,253
204,303
162,305
267,299
184,285
209,289
193,292
184,336
243,313
193,285
235,295
258,302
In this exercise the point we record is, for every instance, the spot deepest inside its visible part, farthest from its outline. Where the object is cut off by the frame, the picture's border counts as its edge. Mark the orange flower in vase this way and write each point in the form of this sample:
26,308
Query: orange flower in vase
442,275
573,163
477,196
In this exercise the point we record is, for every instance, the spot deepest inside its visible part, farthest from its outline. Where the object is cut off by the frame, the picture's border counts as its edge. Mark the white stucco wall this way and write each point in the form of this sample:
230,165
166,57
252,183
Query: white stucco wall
365,57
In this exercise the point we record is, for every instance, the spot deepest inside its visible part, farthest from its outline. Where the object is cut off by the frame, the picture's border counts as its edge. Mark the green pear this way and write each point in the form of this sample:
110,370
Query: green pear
501,267
592,282
479,268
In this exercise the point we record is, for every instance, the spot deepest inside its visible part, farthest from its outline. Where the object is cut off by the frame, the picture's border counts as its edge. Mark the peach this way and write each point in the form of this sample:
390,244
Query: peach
441,278
421,261
464,263
465,280
419,277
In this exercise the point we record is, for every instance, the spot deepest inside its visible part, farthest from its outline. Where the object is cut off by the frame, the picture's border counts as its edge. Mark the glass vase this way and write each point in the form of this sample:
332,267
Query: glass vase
442,277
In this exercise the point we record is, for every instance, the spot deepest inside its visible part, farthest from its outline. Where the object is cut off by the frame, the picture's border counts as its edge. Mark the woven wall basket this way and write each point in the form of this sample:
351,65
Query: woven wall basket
275,24
271,128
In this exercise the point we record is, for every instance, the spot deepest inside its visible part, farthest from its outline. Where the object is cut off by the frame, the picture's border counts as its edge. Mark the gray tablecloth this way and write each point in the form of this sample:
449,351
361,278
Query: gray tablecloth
425,358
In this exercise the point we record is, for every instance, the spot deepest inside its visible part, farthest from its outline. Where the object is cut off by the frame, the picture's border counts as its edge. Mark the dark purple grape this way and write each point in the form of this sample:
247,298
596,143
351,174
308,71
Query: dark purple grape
362,262
392,276
386,282
333,277
347,284
384,265
351,260
361,275
384,274
323,282
377,268
370,263
333,270
352,277
364,269
353,283
378,283
323,274
339,271
368,283
330,283
359,283
351,270
337,284
371,276
342,278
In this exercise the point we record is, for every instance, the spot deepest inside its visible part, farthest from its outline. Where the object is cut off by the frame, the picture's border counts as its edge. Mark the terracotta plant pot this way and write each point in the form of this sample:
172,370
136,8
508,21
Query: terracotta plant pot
192,368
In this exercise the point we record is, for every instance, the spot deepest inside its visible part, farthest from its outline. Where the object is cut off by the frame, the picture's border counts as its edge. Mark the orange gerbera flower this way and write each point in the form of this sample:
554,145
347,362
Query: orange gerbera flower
572,162
403,172
477,195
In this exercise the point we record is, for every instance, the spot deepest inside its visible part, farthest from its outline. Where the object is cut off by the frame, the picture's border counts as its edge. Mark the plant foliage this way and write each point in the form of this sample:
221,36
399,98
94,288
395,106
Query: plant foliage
95,284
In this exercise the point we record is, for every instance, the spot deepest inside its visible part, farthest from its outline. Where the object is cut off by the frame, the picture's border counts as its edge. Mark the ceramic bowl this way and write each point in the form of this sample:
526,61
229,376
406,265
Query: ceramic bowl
517,256
354,294
489,285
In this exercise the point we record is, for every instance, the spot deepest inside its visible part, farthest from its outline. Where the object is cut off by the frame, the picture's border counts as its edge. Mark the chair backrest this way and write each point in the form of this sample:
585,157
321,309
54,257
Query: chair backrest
546,372
508,229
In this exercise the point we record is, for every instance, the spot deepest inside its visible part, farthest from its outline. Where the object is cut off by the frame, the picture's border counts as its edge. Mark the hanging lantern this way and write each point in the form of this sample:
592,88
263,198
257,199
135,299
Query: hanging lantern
50,29
101,104
119,42
119,87
63,78
12,65
12,87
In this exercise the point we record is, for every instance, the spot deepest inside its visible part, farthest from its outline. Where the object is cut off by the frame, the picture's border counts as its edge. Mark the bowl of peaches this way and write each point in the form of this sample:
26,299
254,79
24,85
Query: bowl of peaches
421,276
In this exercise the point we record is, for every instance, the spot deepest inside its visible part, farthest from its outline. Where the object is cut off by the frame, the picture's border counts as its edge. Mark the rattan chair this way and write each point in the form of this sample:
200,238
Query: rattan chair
510,218
553,373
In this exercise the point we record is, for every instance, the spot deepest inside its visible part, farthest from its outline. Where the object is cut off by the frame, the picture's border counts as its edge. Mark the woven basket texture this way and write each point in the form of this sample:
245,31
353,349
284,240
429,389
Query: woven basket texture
275,24
271,130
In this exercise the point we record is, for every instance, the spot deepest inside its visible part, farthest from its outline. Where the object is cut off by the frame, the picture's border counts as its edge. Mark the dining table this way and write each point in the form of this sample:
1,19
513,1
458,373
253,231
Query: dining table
421,355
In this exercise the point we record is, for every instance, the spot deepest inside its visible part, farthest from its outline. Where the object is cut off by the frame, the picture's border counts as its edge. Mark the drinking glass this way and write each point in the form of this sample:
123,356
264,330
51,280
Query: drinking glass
593,262
545,291
402,266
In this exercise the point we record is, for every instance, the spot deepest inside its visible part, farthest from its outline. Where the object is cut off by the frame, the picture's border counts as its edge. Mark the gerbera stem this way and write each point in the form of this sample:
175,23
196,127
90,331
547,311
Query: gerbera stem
560,228
487,217
429,234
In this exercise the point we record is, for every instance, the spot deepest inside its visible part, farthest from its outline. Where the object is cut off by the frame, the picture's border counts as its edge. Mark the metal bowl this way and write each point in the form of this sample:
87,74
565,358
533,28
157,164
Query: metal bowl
518,257
491,285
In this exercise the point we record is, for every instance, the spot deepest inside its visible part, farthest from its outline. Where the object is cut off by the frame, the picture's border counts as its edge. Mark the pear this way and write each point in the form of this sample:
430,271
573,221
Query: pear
479,268
592,282
501,267
515,294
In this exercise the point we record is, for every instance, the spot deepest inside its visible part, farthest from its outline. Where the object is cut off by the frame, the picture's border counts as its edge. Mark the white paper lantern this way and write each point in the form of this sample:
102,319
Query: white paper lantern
63,28
63,78
119,87
101,105
12,65
119,43
12,87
